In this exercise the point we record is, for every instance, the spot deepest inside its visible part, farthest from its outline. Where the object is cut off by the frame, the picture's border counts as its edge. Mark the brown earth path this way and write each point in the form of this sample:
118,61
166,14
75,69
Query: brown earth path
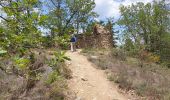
90,83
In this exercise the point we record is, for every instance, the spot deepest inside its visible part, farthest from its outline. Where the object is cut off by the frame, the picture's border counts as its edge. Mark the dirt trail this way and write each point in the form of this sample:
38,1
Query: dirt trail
90,83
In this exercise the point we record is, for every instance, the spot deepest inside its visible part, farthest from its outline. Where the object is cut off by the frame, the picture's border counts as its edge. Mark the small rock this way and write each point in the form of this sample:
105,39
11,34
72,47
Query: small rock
94,57
69,63
79,98
83,79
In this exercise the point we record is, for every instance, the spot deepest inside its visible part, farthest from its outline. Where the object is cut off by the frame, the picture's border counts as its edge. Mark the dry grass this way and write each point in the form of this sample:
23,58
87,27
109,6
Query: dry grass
12,86
150,80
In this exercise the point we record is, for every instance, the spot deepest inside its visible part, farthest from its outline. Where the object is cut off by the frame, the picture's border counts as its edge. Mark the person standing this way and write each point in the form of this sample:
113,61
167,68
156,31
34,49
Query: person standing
73,41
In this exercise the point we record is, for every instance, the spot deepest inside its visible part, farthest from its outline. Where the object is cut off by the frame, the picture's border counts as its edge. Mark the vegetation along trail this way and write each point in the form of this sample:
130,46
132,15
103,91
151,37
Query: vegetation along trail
90,83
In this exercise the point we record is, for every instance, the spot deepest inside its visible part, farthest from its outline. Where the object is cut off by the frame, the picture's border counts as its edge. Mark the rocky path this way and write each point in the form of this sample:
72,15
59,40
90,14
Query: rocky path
90,83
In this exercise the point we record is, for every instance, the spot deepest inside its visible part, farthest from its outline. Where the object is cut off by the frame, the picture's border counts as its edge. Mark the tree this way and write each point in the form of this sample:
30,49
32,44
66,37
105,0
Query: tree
146,24
70,15
19,33
20,26
110,26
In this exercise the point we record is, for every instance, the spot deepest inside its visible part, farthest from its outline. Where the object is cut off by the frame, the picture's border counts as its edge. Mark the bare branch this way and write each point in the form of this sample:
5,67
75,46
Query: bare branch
4,18
53,3
68,21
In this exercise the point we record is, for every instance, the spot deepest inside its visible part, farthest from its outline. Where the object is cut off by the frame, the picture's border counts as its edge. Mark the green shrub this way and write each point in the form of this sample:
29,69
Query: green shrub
63,41
52,77
21,63
2,52
57,63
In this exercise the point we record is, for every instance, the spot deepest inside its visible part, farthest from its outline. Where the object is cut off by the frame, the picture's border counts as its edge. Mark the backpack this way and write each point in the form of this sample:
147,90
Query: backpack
73,39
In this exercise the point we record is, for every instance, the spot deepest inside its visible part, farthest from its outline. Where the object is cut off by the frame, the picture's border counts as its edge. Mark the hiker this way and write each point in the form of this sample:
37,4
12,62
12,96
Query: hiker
73,41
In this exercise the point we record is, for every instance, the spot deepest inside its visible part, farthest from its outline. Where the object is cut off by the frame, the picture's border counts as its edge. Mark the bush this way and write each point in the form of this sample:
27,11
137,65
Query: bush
63,41
2,52
118,54
52,77
154,58
57,63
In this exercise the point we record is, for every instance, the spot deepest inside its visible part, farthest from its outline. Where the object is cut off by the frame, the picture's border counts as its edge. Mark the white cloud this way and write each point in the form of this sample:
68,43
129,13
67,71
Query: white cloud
110,8
36,10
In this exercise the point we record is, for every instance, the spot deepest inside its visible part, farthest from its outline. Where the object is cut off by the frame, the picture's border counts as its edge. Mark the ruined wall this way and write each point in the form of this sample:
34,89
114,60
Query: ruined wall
100,38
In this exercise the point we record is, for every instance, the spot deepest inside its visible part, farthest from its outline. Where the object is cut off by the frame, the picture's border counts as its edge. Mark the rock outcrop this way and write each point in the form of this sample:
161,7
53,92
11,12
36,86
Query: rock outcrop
100,38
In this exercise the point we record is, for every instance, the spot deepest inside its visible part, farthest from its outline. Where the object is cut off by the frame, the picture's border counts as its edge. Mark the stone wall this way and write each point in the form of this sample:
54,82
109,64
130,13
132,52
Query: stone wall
100,38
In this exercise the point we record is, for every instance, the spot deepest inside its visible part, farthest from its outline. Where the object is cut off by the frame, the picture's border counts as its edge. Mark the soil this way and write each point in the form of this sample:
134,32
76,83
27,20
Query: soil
89,83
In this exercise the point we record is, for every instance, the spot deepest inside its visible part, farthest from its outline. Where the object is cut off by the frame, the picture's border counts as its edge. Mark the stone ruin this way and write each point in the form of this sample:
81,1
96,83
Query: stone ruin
100,38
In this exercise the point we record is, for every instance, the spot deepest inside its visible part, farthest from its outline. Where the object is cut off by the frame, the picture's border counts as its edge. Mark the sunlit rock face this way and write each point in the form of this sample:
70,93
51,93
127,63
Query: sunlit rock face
100,38
104,37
